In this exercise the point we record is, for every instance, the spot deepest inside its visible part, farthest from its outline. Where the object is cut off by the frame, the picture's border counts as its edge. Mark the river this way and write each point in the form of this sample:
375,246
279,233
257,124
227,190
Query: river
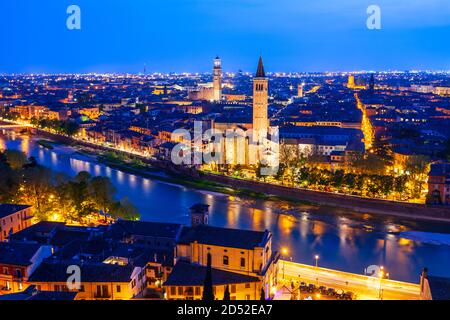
344,240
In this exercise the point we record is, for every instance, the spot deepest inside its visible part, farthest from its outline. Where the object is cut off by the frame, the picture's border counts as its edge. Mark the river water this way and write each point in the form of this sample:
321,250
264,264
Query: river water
343,239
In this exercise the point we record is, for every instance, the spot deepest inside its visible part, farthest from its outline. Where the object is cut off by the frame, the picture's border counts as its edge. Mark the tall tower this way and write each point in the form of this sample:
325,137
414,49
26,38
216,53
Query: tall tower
217,79
351,81
372,83
260,101
300,90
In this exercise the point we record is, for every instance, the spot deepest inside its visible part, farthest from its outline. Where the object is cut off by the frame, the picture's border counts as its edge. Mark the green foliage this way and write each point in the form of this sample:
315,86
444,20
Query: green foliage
55,195
68,128
15,158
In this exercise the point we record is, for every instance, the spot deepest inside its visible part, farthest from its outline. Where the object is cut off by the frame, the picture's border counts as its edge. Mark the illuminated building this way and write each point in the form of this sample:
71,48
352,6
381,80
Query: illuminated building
217,79
351,81
439,183
209,91
14,218
99,281
300,90
240,259
18,260
260,101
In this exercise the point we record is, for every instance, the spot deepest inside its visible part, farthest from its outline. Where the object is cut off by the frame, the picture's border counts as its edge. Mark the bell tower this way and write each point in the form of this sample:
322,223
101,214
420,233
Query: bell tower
217,79
260,101
199,214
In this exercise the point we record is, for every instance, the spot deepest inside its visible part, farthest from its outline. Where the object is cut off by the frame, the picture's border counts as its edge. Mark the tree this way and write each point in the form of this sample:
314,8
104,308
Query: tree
417,167
10,181
38,187
226,295
15,158
125,209
208,292
102,193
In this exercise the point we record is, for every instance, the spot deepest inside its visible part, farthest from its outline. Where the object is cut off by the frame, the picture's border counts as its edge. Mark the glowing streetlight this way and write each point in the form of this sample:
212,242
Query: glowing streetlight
284,252
316,257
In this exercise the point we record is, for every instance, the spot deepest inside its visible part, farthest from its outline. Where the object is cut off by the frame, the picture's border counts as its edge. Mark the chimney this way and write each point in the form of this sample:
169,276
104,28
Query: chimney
199,214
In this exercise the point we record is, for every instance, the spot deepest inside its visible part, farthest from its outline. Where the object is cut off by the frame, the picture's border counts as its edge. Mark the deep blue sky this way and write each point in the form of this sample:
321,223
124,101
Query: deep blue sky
184,35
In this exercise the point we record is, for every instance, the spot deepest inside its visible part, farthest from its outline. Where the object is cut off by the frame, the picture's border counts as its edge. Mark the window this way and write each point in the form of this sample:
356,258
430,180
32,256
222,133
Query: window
180,291
197,291
247,286
225,260
242,262
173,291
5,270
247,297
233,288
118,289
81,288
18,273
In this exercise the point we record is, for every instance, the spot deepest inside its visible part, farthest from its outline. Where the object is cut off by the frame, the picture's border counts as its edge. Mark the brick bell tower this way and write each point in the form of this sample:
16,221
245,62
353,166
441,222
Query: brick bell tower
260,101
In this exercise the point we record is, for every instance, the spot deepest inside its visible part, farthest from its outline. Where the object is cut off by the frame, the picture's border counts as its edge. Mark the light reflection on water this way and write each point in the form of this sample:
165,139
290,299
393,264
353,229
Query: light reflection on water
343,240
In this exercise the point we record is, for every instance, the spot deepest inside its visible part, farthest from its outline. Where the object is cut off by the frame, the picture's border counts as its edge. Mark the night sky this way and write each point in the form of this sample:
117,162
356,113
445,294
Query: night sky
185,35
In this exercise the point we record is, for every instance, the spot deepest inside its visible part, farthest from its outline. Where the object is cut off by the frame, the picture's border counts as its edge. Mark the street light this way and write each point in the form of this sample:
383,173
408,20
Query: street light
284,252
316,257
381,275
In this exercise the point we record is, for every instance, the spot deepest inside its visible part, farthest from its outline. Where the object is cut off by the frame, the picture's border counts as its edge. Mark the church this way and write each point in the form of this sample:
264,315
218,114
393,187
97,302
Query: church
210,91
250,144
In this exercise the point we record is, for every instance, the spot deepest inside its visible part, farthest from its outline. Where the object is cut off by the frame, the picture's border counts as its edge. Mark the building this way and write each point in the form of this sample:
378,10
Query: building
242,146
240,259
91,112
300,90
186,283
99,281
442,91
217,79
18,260
439,184
14,218
151,234
351,84
32,293
260,102
209,91
351,81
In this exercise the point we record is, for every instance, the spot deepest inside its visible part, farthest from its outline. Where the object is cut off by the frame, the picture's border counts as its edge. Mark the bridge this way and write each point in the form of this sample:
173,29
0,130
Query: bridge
364,287
12,125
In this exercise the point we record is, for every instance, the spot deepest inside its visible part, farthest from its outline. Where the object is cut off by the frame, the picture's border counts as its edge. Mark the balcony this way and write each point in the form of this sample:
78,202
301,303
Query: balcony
102,296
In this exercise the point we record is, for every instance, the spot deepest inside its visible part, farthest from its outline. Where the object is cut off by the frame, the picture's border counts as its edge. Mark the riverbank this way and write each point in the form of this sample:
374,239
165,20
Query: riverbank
238,187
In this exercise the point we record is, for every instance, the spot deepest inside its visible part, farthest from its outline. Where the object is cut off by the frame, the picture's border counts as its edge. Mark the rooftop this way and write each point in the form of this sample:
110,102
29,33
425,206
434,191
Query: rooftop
56,271
32,294
17,253
149,229
187,274
8,209
232,238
